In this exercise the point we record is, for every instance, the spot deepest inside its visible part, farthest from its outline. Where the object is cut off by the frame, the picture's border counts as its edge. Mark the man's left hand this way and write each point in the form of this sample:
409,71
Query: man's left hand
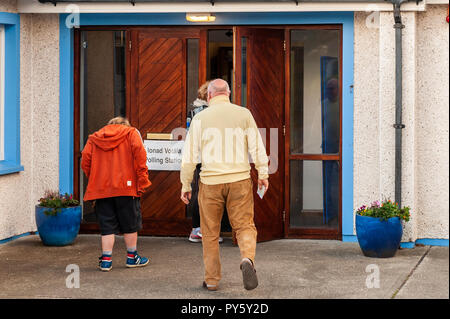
185,197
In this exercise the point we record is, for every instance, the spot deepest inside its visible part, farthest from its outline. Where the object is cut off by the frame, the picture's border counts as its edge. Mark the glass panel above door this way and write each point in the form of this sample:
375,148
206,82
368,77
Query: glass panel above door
315,93
220,55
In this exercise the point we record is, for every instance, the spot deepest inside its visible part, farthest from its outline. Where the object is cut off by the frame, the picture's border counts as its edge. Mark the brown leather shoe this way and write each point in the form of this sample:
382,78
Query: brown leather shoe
248,274
209,287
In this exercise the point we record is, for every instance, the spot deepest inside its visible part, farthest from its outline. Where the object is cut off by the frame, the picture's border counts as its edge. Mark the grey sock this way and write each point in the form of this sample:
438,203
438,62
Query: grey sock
109,253
131,249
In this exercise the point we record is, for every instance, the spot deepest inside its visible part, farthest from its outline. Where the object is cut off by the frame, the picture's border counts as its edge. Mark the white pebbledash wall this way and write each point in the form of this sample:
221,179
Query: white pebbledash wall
425,114
8,6
432,123
39,122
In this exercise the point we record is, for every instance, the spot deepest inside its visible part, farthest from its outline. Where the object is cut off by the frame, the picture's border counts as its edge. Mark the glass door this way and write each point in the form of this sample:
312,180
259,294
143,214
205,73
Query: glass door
100,95
314,133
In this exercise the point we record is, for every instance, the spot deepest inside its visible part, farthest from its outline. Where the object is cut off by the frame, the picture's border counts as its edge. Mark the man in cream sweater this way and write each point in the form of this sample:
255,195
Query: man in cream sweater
221,138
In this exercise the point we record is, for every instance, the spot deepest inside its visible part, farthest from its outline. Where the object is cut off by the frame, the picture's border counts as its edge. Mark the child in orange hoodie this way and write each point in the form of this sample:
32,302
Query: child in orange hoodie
115,162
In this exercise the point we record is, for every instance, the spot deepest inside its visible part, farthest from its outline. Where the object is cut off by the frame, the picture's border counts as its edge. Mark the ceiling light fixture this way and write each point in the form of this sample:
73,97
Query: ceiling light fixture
200,17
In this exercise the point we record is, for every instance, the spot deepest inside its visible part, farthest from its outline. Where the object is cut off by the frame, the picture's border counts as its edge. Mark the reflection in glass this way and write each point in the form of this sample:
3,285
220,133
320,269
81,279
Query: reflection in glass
192,70
244,72
315,102
314,194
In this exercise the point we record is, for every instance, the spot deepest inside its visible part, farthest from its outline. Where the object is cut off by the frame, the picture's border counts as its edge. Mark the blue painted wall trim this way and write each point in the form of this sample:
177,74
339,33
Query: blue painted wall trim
11,162
222,18
432,242
349,238
347,127
422,241
7,240
266,18
65,108
407,245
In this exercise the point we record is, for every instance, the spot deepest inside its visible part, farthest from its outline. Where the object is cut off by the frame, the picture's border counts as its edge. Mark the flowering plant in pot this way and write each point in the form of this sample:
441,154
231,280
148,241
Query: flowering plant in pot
379,228
58,218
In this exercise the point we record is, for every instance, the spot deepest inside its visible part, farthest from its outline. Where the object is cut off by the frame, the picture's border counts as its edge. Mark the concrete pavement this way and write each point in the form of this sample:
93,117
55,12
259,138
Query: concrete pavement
286,268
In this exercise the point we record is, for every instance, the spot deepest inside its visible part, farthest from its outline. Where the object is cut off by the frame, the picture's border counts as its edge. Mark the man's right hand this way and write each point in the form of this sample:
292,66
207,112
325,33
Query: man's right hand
263,182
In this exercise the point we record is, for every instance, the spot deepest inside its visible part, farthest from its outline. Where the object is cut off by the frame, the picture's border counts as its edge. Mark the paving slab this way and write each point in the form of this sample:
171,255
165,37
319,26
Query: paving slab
288,268
430,278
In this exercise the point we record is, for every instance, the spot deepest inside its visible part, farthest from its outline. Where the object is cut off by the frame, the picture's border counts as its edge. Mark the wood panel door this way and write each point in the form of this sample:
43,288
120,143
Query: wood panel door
158,105
259,65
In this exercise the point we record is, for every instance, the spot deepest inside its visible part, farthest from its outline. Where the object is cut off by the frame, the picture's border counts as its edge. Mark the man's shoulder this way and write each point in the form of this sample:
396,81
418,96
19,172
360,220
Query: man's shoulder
231,108
240,109
244,112
200,115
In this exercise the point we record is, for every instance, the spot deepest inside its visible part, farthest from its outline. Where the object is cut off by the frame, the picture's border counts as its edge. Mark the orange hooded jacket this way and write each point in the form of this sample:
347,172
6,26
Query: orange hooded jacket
115,161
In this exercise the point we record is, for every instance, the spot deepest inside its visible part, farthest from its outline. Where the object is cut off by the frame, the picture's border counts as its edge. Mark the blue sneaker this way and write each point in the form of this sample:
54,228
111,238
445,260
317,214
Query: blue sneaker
134,260
105,263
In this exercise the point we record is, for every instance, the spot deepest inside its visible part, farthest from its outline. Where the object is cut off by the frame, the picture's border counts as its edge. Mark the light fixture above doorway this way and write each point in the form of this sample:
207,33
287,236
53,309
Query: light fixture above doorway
200,17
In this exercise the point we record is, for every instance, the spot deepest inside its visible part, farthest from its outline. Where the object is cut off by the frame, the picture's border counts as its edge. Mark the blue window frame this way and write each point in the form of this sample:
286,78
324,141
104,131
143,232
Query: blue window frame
10,161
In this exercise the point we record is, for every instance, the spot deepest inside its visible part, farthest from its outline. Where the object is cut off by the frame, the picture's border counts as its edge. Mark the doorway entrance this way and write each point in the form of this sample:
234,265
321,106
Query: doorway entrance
288,76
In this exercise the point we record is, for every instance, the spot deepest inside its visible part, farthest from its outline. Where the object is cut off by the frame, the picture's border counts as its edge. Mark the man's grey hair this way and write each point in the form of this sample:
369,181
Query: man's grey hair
218,86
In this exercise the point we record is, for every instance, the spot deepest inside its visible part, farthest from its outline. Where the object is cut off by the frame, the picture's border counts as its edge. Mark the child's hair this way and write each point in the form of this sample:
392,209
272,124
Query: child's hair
119,120
202,92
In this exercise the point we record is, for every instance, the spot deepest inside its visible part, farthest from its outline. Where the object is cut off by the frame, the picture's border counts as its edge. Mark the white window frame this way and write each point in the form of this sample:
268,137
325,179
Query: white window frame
2,92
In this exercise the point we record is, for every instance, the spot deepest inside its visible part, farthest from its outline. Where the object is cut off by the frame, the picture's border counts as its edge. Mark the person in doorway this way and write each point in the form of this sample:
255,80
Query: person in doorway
114,160
197,106
331,117
225,178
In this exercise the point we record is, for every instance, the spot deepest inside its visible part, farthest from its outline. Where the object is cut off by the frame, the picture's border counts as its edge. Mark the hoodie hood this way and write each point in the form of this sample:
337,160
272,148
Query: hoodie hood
199,102
110,136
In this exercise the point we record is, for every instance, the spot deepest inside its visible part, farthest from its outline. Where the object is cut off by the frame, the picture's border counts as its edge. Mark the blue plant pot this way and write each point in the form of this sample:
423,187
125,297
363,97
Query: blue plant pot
378,238
60,229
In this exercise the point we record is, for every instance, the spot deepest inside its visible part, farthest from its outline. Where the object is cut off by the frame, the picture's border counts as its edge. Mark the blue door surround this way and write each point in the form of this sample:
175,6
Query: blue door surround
266,18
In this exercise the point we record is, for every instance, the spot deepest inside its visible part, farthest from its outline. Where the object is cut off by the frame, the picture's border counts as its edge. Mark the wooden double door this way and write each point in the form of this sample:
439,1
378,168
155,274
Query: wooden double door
164,67
160,76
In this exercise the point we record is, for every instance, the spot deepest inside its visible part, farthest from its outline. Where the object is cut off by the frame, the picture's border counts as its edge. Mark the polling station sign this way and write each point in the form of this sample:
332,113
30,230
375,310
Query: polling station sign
164,155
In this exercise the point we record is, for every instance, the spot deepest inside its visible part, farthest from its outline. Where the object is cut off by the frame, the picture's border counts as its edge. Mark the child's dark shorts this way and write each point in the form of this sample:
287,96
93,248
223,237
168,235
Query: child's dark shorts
119,215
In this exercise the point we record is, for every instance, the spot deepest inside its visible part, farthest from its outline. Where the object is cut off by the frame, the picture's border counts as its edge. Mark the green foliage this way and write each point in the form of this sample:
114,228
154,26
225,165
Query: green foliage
384,211
57,201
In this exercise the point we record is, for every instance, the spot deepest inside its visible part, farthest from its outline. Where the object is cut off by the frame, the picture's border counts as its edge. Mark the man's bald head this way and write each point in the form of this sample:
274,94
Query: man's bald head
218,87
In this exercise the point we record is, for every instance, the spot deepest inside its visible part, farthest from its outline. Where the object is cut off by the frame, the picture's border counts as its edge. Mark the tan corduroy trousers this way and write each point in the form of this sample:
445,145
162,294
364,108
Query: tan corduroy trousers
238,199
